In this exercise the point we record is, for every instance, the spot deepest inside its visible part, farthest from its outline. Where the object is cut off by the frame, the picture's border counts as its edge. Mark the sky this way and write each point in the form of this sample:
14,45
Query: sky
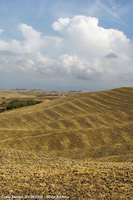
66,45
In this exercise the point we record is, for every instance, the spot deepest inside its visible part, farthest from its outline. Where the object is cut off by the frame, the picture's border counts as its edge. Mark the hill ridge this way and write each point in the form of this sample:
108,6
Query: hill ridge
78,126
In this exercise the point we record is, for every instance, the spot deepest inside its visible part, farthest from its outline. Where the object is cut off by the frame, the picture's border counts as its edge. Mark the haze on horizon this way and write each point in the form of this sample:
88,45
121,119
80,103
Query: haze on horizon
60,45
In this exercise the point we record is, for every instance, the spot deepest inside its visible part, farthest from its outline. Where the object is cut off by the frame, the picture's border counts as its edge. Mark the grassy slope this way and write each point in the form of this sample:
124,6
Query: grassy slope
87,125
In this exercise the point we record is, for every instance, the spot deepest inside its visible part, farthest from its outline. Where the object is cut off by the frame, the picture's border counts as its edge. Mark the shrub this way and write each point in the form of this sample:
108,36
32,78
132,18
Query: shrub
13,104
3,109
17,104
31,102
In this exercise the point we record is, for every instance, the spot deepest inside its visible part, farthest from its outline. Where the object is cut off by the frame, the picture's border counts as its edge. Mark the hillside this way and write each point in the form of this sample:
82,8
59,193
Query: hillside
24,174
86,125
77,147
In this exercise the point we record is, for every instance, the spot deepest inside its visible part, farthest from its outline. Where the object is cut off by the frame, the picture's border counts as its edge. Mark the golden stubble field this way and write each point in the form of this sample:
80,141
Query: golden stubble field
24,174
78,147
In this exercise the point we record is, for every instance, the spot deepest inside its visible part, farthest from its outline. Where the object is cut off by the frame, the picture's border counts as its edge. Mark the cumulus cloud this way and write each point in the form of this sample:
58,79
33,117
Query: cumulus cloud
79,67
80,51
87,31
35,41
32,38
60,23
83,37
12,46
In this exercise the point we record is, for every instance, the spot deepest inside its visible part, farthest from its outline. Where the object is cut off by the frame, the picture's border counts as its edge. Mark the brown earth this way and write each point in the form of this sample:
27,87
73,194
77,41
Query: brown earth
78,146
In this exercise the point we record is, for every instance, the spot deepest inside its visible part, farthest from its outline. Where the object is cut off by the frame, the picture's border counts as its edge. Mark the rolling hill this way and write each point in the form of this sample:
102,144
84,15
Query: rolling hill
77,147
95,125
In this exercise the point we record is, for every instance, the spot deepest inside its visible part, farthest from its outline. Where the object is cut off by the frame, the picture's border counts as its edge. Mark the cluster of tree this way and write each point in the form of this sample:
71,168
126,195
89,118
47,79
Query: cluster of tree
17,104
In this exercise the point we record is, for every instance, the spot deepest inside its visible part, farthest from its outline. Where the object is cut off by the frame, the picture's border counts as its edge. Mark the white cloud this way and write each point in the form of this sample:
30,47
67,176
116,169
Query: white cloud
1,30
60,23
90,44
79,67
3,45
34,41
43,60
26,65
29,33
72,62
83,36
13,46
32,38
81,51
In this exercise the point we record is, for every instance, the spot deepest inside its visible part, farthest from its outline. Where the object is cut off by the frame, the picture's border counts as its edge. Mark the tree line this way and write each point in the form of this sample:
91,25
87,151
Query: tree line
18,104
